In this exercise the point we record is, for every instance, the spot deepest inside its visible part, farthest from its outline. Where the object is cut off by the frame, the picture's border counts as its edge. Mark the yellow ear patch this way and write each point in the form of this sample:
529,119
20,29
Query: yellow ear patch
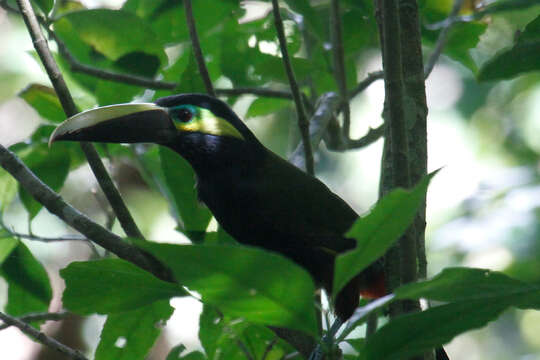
204,121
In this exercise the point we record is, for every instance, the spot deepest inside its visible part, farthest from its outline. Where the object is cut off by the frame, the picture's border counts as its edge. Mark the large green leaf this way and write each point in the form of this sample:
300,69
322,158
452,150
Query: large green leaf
8,189
378,230
465,284
7,245
416,333
29,289
50,165
112,286
250,283
113,33
130,334
523,57
180,180
44,100
265,106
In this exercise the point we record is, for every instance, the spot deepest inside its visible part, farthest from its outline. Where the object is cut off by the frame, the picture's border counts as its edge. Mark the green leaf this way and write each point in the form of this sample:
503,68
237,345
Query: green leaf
180,180
8,190
111,286
29,289
130,334
50,165
44,100
523,57
378,230
260,286
113,33
461,39
264,106
465,284
416,333
220,337
7,245
44,5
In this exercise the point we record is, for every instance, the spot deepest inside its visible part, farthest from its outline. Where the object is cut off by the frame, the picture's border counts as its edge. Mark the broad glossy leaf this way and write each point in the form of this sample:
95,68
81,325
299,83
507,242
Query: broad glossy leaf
466,284
461,39
250,283
523,57
416,333
180,180
131,334
112,286
44,5
44,100
378,230
50,165
29,289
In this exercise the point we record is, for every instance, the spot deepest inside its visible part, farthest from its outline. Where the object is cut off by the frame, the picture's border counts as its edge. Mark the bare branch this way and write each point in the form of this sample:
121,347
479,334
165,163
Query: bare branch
339,64
362,85
441,41
41,337
73,217
197,51
255,91
70,109
39,317
303,123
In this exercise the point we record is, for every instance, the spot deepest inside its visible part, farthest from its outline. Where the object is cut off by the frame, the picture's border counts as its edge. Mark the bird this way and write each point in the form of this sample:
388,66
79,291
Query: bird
257,197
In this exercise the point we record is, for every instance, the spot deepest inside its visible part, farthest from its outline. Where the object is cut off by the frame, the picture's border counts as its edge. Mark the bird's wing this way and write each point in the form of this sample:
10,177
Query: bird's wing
302,206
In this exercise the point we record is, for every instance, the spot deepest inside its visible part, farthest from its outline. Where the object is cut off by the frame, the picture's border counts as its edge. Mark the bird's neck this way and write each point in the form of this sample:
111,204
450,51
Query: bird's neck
220,159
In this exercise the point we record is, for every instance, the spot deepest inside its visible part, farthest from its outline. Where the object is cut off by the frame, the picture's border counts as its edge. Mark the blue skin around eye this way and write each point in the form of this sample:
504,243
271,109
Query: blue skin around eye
193,109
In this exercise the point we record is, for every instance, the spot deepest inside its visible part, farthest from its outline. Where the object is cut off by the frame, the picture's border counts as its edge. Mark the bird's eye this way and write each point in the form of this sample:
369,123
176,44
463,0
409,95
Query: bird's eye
183,115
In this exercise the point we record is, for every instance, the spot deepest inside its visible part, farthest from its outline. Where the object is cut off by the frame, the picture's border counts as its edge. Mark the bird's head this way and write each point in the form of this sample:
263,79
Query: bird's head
201,128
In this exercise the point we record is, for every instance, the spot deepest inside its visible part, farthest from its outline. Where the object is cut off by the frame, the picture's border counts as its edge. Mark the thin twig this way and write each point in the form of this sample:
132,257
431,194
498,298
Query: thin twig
197,51
441,40
77,66
57,80
362,85
303,123
39,317
339,64
73,217
41,337
280,94
324,111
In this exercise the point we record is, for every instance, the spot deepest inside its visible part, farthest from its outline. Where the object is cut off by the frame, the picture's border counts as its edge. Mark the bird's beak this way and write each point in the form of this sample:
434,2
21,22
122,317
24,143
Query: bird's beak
122,123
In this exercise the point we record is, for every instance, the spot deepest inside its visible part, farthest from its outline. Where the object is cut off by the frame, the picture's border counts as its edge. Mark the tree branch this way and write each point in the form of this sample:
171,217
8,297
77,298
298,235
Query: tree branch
339,65
441,40
39,317
70,109
197,51
41,337
73,217
303,123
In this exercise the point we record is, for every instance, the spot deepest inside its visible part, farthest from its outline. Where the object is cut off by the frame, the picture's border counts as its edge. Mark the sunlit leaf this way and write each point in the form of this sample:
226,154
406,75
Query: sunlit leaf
112,286
244,282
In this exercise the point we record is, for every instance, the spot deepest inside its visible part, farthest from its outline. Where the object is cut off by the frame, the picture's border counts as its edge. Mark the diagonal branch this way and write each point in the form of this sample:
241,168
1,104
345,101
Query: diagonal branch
41,337
197,51
73,217
39,317
57,80
303,123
